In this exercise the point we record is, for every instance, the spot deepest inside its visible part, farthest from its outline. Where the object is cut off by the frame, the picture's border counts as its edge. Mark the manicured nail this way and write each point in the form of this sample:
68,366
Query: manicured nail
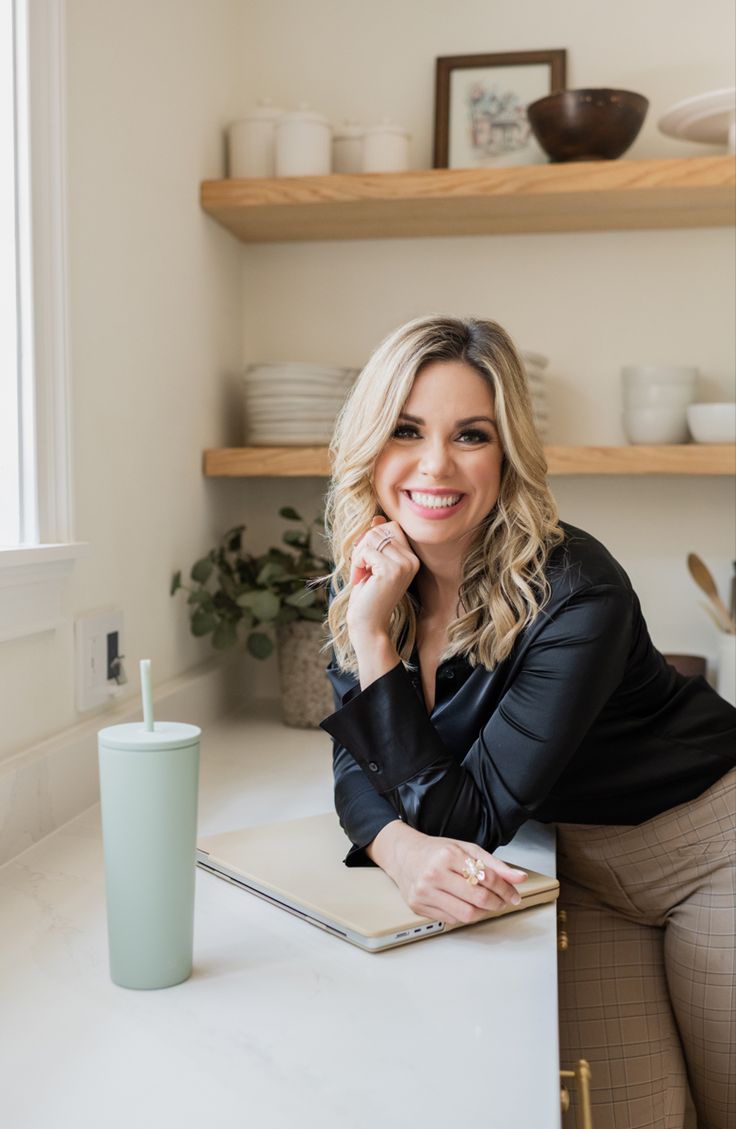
515,899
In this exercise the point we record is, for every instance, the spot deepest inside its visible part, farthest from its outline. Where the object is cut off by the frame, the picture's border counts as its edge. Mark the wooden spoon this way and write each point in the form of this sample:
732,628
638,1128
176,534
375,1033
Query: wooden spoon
703,577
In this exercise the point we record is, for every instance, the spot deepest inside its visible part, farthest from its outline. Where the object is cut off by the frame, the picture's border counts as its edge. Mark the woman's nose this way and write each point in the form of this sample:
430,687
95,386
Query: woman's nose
436,459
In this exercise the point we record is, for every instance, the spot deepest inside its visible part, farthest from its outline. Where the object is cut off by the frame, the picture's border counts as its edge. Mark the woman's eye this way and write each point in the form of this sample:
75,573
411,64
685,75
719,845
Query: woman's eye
408,431
476,436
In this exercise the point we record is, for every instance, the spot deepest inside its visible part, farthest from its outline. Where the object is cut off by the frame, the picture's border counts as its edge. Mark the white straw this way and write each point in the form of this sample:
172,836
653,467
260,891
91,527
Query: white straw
147,694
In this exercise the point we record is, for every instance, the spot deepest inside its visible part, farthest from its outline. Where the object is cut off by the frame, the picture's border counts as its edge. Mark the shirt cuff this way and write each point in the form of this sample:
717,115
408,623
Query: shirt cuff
387,729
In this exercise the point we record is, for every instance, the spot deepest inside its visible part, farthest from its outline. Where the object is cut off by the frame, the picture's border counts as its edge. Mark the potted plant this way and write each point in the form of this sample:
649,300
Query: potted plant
275,594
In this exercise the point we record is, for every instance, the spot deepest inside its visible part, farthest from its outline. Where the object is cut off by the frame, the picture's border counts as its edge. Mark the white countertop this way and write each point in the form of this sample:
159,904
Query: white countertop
280,1025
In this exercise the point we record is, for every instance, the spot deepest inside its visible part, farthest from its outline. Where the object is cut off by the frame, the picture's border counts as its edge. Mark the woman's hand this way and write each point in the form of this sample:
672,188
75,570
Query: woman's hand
428,870
379,578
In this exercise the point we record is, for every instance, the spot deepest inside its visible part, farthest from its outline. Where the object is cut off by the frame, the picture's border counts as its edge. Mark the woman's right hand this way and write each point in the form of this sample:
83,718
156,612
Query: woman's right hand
428,870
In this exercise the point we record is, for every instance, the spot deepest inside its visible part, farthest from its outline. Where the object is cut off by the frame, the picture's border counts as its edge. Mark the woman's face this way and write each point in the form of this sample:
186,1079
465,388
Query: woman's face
445,449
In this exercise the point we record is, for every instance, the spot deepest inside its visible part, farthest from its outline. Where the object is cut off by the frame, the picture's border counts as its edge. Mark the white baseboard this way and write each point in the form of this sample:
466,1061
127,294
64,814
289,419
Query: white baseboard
52,782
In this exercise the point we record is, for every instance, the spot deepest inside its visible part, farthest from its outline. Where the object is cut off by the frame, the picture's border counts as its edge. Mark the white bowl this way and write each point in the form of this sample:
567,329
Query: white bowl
712,423
656,425
658,374
658,396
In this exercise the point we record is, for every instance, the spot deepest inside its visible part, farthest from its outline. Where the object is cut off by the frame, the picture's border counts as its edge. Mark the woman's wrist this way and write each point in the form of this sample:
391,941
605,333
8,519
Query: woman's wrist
385,850
376,655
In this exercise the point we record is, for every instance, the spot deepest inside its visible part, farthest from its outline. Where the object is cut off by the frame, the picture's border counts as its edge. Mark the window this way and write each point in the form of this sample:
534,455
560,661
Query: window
9,414
36,543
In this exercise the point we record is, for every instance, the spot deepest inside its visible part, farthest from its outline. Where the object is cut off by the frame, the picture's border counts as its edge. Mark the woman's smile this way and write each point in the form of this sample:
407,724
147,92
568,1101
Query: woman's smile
434,505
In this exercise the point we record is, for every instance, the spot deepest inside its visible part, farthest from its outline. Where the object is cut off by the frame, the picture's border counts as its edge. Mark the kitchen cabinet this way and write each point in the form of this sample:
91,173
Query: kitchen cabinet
581,196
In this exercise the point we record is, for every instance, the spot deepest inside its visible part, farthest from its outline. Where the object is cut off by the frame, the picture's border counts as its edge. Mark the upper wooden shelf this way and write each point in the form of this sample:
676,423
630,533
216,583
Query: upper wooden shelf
579,196
276,462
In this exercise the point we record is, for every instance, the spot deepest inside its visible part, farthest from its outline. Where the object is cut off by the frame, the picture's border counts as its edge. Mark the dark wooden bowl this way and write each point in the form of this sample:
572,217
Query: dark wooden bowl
587,125
689,665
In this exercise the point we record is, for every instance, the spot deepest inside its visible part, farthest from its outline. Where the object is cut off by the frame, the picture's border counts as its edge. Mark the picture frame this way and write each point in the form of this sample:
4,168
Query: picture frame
480,107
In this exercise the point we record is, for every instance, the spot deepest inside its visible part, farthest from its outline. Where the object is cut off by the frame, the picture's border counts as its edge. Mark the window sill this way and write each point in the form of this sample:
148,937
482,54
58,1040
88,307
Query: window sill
31,587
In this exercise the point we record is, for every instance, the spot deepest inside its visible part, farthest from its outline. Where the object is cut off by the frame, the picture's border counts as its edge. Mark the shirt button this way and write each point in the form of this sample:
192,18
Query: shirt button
373,766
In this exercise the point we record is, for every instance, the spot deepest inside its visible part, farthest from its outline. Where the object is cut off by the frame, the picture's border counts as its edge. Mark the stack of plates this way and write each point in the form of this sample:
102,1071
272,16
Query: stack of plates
534,366
293,403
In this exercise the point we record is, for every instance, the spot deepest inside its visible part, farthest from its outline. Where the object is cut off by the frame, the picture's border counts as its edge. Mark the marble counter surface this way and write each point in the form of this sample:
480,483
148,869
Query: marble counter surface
280,1025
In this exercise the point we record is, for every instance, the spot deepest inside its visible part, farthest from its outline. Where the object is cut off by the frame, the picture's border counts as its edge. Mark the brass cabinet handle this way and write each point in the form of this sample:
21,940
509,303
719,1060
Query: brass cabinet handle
562,938
581,1074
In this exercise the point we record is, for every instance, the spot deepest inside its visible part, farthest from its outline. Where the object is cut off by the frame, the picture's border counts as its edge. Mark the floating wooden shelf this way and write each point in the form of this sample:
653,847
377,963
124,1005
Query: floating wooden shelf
580,196
301,462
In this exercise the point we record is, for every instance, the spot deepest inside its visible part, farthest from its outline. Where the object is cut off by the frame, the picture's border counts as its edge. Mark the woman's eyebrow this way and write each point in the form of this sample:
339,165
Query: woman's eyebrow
459,423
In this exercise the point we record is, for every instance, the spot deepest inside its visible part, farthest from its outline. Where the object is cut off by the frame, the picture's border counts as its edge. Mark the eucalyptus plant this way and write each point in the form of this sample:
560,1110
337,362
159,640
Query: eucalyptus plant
265,591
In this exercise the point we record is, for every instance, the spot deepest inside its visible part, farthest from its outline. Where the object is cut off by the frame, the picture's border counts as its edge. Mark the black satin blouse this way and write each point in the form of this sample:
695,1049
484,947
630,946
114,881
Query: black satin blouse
584,722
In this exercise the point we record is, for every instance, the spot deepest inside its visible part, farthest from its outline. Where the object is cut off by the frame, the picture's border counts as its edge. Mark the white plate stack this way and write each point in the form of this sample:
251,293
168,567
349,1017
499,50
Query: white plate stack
534,366
293,403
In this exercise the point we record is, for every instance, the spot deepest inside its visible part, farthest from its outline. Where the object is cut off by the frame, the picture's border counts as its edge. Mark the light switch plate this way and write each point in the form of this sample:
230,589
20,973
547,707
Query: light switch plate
93,688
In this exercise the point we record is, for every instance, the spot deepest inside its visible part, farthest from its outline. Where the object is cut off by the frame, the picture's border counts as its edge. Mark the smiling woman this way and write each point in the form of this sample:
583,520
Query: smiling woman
491,665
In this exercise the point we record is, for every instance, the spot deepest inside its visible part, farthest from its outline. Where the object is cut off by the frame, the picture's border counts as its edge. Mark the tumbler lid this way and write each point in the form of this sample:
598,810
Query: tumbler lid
135,736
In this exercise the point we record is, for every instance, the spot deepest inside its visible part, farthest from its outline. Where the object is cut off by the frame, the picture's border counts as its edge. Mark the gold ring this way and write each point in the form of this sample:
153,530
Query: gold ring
474,871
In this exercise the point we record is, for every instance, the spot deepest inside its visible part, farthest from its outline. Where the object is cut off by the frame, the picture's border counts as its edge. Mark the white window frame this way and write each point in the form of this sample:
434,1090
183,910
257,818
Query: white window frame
33,574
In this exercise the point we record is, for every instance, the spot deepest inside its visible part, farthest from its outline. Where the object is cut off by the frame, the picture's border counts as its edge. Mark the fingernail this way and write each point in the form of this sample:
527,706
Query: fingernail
515,899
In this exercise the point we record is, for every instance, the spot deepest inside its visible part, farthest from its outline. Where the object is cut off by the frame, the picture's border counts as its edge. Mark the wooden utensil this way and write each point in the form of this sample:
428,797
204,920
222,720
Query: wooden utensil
703,577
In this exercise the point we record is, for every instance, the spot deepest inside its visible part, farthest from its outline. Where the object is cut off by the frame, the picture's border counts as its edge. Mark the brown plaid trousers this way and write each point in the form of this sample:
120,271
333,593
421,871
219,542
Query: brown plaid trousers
647,986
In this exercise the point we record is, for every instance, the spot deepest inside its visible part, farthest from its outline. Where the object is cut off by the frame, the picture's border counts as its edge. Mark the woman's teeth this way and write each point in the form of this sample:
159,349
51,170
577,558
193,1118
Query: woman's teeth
435,501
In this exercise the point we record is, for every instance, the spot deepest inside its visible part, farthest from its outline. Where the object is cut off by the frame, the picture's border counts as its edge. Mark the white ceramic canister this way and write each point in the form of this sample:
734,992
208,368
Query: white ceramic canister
252,142
347,147
303,143
386,148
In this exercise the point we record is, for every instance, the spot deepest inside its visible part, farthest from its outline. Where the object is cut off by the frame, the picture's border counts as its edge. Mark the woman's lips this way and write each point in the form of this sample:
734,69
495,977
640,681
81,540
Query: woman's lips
434,513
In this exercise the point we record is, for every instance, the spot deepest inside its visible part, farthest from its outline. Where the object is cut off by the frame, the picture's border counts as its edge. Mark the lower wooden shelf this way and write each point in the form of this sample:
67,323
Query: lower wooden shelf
303,462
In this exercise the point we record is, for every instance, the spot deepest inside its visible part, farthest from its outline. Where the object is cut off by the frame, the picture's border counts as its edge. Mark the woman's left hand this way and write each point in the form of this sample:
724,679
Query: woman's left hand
379,578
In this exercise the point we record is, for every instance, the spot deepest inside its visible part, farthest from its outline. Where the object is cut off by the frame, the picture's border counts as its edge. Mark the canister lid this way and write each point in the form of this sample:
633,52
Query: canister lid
349,130
134,736
387,126
303,114
263,111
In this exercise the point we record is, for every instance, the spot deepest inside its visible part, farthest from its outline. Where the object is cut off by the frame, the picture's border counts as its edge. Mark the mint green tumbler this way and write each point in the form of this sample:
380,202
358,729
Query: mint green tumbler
148,795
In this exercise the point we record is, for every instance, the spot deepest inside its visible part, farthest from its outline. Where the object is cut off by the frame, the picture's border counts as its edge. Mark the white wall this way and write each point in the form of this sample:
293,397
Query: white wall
591,302
166,306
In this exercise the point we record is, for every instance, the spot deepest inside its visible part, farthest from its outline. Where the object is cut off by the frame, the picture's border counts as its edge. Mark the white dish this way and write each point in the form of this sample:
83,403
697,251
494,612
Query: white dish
656,425
708,118
658,396
298,366
534,359
712,423
639,376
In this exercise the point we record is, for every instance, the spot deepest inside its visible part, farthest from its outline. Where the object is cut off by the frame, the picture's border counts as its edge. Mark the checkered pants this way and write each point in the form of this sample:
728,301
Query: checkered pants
648,983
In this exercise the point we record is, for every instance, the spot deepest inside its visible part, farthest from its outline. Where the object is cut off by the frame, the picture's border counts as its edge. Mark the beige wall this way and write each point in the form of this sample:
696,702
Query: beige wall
166,306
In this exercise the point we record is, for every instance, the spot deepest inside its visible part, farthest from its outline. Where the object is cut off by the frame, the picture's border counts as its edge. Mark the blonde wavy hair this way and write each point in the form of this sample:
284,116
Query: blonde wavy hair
503,585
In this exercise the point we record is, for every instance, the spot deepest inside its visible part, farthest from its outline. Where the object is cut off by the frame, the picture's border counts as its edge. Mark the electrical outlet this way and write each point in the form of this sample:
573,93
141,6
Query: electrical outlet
98,642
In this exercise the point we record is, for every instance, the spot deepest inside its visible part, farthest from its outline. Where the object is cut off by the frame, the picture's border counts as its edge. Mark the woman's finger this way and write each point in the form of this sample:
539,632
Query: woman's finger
445,906
480,896
491,864
498,878
366,557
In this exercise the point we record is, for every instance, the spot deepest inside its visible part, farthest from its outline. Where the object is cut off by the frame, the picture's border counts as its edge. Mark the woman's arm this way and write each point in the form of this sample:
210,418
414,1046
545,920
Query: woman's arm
570,666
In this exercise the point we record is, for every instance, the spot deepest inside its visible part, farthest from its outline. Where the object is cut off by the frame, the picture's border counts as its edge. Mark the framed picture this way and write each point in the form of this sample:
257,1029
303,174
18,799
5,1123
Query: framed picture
480,107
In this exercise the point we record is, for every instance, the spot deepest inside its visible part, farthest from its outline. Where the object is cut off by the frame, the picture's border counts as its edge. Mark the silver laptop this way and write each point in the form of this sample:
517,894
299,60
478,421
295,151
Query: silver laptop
298,866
